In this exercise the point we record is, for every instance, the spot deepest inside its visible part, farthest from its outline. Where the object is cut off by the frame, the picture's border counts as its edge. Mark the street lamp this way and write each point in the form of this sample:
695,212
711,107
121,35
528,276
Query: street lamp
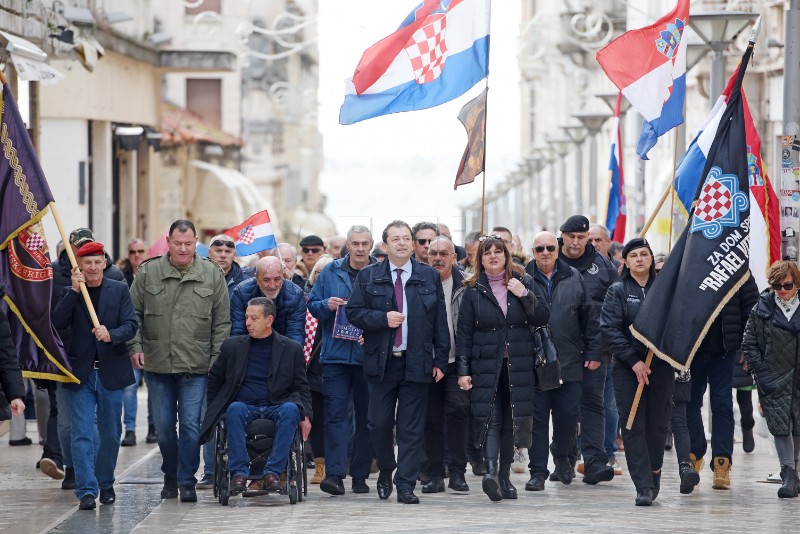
561,147
535,163
593,122
717,29
610,100
577,134
548,155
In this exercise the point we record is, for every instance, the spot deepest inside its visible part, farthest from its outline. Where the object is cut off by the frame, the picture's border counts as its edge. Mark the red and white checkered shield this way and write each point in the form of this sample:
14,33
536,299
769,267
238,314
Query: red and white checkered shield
427,49
715,201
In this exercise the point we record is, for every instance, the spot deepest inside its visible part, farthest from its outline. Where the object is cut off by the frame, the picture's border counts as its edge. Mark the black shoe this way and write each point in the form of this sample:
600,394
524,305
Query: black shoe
789,488
434,485
458,482
170,489
407,497
359,486
668,444
554,477
87,503
332,484
310,464
644,497
384,484
689,478
151,437
507,489
207,482
490,483
597,472
19,442
565,474
69,479
188,494
478,468
748,441
536,483
129,440
108,496
656,484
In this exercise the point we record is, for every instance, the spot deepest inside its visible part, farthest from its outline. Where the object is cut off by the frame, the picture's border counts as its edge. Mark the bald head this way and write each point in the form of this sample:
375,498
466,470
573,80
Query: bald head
269,276
545,252
222,251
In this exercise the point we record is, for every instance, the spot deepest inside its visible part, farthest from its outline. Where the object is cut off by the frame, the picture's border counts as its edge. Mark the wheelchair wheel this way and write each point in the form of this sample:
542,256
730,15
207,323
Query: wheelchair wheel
224,489
301,470
294,495
221,475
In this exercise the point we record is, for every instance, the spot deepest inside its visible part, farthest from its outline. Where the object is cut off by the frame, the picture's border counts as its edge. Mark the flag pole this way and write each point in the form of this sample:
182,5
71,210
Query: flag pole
658,207
639,390
3,80
672,196
485,146
73,262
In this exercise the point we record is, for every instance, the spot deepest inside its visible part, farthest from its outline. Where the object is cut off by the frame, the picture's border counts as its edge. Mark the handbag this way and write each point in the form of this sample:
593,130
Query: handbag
548,369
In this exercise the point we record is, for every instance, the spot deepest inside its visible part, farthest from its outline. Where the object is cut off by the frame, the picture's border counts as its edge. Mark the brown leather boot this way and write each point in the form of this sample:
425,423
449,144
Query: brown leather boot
319,471
722,473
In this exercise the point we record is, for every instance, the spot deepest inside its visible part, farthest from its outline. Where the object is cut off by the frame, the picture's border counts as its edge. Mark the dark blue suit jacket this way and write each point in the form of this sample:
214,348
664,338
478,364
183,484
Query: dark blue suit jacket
116,313
428,343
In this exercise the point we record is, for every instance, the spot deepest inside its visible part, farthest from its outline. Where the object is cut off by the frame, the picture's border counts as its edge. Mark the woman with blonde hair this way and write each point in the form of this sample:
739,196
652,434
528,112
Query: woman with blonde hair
771,345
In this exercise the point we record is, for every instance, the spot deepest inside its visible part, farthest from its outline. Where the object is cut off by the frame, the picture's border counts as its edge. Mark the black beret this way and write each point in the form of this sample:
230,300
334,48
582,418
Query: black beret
633,244
312,241
576,223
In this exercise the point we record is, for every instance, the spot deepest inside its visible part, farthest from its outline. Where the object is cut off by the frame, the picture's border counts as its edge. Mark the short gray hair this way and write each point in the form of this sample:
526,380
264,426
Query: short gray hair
265,303
359,229
603,229
472,237
279,246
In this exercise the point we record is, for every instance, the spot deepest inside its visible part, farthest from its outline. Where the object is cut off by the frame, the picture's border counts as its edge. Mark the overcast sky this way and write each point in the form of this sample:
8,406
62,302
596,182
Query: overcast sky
403,165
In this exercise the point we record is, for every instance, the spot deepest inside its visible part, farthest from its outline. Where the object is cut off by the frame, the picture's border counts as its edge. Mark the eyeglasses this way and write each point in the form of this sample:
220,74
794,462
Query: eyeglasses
137,251
540,248
313,250
786,287
223,243
424,241
442,253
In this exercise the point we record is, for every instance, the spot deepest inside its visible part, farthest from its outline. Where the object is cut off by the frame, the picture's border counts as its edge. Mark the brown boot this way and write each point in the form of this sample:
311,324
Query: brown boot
697,463
319,471
722,473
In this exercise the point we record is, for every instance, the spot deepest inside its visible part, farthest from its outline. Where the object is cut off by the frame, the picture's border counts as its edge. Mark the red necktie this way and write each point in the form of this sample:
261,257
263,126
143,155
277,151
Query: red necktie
398,296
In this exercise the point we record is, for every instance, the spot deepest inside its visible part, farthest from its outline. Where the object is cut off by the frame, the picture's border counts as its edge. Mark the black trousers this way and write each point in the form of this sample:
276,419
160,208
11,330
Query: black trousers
644,442
564,403
395,401
500,435
317,434
744,398
447,401
593,416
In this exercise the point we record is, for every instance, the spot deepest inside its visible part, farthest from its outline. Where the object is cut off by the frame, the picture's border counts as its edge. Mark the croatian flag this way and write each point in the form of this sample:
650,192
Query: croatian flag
440,51
616,217
649,66
254,235
765,231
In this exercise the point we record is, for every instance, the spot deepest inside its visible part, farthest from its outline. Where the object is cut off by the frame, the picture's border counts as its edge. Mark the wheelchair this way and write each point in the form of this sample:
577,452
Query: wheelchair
259,437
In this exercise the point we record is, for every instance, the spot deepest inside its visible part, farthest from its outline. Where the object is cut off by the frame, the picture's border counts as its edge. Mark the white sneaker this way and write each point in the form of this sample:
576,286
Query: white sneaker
520,464
617,468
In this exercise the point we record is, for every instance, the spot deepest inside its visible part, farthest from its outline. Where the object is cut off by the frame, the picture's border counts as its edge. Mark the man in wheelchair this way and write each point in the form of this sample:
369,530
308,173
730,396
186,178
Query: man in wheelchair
261,375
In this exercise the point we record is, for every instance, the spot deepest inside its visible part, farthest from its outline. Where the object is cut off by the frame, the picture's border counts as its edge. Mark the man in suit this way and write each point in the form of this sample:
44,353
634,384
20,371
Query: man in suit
399,304
99,359
258,376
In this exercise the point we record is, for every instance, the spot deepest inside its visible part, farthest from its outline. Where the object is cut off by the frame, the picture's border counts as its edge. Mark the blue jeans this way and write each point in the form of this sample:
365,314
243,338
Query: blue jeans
343,384
130,403
716,371
178,399
94,409
63,425
286,417
612,416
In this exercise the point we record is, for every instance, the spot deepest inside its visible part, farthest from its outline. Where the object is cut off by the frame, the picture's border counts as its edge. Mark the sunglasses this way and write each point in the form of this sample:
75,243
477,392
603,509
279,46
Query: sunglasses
493,236
223,243
313,250
786,287
442,253
424,241
138,251
540,248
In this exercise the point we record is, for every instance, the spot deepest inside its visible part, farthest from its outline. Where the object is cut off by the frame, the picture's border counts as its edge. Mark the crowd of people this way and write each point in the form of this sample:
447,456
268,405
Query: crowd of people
413,343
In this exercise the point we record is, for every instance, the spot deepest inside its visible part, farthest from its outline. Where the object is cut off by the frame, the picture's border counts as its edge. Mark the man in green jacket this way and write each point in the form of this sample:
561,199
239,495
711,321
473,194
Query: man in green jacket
183,310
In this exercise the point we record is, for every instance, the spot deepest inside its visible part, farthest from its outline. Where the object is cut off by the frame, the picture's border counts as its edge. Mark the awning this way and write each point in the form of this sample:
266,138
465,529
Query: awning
29,60
220,198
303,223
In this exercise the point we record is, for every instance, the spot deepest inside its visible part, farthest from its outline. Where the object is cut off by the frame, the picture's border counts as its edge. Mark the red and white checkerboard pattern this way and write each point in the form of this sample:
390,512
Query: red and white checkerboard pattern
714,202
428,51
35,241
247,235
311,333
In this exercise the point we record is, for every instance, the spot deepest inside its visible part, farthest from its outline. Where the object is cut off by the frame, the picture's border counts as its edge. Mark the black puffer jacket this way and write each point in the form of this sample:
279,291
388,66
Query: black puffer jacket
771,347
482,337
622,303
725,333
11,385
574,320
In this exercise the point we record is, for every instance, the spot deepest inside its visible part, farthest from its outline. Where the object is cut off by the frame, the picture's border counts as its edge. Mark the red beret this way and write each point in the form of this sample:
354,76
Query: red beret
92,248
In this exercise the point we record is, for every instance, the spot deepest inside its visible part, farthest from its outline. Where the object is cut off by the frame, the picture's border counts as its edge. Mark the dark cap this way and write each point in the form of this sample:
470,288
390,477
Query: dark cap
378,253
576,223
312,241
80,236
633,244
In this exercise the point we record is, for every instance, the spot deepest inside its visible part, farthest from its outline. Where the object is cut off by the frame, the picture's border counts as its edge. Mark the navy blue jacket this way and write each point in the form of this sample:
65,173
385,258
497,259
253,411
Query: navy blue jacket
116,313
290,306
236,276
428,343
333,281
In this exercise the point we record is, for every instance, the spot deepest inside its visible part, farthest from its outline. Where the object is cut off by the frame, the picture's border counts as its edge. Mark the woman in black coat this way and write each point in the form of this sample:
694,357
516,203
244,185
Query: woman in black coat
644,443
495,358
771,347
12,389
